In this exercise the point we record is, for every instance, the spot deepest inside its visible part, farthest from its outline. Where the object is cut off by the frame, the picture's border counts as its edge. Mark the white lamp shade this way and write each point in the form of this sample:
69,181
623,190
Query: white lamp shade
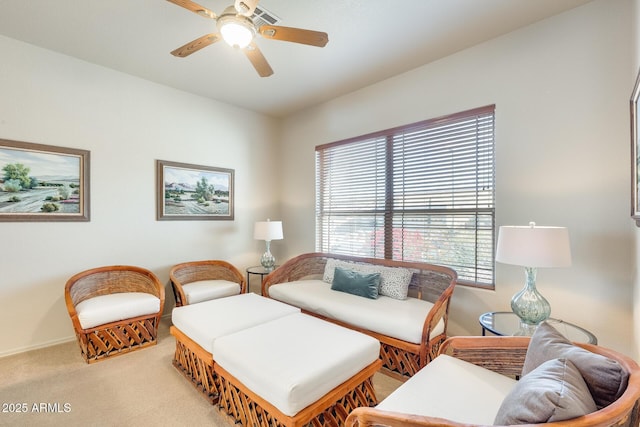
268,230
532,246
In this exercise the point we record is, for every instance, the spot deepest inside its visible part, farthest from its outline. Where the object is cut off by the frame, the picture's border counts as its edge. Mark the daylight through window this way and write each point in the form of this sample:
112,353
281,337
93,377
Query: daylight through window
421,192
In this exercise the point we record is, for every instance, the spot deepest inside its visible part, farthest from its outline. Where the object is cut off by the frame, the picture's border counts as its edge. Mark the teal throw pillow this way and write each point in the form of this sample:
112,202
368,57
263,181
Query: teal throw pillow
352,282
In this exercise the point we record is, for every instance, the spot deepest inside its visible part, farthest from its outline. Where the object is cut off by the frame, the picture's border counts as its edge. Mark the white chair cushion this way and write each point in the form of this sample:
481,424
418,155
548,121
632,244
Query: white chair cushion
401,319
453,389
295,360
208,320
204,290
114,307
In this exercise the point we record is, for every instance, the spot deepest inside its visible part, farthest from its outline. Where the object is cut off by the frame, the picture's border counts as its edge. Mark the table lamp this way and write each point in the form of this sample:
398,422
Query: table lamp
532,247
268,230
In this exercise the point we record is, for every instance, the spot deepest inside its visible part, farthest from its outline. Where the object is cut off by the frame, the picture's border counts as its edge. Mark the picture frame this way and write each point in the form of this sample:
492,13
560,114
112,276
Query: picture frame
43,182
635,150
193,192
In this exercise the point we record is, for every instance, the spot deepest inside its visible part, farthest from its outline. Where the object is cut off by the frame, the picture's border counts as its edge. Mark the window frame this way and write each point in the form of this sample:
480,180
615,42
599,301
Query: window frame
389,211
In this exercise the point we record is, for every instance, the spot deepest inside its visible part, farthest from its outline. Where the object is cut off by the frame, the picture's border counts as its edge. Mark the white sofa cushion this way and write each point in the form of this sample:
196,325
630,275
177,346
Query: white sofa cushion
114,307
204,290
394,281
295,360
452,389
205,322
401,319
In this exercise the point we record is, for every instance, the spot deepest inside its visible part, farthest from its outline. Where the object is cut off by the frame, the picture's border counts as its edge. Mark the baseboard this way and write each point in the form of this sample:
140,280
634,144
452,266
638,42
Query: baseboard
19,350
36,346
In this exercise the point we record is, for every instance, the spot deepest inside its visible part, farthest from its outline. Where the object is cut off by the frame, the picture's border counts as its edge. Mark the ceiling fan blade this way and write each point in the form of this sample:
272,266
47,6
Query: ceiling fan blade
196,45
258,60
195,8
246,7
295,35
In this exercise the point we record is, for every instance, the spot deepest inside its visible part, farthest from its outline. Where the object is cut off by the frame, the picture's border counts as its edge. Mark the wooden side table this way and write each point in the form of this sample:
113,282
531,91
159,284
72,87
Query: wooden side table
508,323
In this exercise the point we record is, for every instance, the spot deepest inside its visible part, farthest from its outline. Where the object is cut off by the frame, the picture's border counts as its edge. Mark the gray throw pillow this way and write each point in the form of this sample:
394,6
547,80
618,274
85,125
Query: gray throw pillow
606,378
352,282
554,391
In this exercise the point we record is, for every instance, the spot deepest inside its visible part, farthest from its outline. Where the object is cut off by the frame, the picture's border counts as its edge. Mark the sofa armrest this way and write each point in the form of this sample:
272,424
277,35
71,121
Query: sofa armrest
366,417
295,269
439,311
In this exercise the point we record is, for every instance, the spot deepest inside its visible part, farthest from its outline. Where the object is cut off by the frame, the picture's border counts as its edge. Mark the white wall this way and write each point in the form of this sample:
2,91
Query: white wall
561,89
127,123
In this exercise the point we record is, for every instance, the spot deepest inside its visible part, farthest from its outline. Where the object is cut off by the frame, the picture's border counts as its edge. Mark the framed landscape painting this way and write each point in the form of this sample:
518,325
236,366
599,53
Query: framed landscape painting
43,183
192,192
635,149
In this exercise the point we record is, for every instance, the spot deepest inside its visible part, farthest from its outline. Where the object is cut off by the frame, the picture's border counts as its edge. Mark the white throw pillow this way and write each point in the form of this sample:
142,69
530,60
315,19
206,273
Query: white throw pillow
395,282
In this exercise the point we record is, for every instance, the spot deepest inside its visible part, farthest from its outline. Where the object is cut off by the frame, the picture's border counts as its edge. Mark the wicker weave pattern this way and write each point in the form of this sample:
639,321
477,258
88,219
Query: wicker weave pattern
405,363
196,365
120,337
505,361
249,410
429,282
188,272
105,282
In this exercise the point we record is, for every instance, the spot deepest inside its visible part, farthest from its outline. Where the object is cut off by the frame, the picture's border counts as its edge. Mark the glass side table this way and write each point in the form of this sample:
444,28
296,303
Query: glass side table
507,323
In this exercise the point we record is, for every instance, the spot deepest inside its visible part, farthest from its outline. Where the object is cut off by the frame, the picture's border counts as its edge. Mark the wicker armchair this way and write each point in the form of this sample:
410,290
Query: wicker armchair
126,289
198,281
506,356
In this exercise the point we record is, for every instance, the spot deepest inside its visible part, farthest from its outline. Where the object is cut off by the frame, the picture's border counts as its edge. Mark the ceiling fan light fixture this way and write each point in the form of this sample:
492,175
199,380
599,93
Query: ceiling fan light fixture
236,35
236,30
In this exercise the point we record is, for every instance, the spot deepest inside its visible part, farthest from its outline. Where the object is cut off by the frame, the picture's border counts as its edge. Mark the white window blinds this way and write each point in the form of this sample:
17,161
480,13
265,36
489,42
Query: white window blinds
422,192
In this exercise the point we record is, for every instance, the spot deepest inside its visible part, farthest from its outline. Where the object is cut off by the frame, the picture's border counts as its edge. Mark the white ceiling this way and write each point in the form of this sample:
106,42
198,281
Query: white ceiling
369,40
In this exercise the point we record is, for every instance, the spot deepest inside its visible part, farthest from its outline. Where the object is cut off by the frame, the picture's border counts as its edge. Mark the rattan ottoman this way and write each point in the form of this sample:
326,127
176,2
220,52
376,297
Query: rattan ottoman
197,326
296,370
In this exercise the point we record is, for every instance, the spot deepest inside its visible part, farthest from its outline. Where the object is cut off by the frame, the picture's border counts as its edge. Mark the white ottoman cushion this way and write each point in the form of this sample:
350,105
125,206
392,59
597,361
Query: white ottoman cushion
204,290
401,319
114,307
208,320
453,389
295,360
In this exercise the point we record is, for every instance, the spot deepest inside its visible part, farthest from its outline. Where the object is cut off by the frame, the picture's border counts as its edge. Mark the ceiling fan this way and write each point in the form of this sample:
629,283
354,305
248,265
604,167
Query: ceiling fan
236,27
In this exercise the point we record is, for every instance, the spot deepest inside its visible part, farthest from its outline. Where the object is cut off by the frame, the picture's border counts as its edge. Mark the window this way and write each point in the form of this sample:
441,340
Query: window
421,192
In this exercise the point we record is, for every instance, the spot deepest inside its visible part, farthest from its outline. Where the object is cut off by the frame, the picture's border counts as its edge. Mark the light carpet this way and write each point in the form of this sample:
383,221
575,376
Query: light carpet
53,386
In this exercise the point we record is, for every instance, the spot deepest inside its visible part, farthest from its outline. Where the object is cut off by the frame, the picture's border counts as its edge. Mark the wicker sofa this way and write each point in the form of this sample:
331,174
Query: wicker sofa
427,399
299,282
